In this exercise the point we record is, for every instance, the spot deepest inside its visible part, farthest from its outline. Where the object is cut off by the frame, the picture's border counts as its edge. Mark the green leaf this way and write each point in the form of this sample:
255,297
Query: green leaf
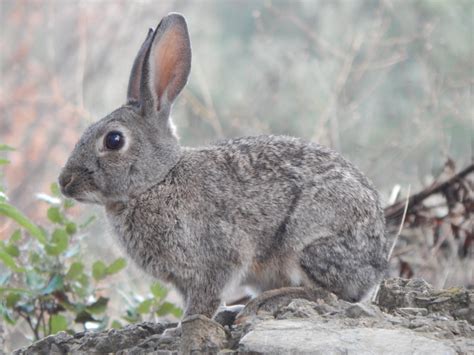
144,307
11,212
158,290
99,270
81,287
4,161
12,250
27,307
59,242
83,317
10,262
131,316
54,215
58,323
56,283
71,228
167,308
54,187
98,306
116,266
4,278
6,314
75,270
68,203
177,312
16,236
116,325
12,299
34,281
15,289
6,148
35,258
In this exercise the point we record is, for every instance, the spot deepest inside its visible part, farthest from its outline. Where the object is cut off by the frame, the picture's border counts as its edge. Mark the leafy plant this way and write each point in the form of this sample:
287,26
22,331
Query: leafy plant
155,304
44,280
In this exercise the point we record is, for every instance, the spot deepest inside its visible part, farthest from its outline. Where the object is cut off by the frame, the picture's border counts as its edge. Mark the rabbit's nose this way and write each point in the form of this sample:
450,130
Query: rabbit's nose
65,179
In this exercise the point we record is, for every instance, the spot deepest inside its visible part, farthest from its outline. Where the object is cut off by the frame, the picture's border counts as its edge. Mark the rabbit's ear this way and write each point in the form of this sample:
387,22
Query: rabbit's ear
167,64
133,92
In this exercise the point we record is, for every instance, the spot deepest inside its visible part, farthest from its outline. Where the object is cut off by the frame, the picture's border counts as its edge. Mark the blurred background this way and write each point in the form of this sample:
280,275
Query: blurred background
387,83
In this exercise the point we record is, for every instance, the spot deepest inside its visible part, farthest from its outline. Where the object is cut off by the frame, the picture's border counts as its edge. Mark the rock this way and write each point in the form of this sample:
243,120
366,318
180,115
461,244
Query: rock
400,293
58,342
201,334
109,341
409,316
114,340
298,308
412,311
2,340
359,310
156,344
306,337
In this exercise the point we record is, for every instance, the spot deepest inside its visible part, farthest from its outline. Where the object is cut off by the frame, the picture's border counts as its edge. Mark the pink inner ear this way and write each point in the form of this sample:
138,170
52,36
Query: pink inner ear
170,63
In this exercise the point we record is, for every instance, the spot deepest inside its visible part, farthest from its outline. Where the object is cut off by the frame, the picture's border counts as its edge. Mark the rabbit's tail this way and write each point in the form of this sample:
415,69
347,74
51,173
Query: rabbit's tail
347,269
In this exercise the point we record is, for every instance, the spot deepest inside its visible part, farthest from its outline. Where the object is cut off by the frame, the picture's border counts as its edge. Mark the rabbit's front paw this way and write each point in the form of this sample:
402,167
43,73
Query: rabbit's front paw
226,315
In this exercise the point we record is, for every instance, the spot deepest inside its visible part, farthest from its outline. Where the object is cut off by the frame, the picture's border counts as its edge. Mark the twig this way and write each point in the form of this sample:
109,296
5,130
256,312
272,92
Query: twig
329,114
30,324
39,319
309,31
394,211
376,289
401,224
205,113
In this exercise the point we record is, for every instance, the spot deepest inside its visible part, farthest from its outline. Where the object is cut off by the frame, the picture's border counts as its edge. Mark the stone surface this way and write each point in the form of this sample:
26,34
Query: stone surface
297,336
400,293
359,310
110,341
408,317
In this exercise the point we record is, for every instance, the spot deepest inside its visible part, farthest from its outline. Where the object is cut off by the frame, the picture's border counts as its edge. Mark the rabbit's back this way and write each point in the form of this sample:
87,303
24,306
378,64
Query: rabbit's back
266,182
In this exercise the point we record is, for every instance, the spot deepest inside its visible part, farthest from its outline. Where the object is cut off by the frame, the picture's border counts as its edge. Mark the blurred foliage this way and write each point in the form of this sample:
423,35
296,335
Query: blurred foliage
386,82
145,308
45,282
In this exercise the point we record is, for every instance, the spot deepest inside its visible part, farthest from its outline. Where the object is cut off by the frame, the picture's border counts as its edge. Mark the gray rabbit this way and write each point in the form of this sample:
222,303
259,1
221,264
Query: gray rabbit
266,211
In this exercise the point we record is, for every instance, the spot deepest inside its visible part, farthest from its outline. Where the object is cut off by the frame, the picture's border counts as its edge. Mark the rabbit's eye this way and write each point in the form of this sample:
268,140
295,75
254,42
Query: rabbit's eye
114,140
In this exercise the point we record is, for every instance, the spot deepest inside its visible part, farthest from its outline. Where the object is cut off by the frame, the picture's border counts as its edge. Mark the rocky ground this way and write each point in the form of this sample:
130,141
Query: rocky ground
407,317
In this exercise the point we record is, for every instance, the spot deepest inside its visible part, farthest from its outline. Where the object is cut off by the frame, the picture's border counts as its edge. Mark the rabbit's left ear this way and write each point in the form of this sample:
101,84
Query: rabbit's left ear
167,65
133,92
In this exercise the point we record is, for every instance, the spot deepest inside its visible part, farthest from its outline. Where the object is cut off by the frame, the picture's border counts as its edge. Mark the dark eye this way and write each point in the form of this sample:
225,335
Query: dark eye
114,140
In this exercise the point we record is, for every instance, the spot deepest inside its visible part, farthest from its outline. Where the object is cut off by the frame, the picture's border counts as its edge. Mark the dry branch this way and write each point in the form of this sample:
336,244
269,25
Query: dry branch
394,212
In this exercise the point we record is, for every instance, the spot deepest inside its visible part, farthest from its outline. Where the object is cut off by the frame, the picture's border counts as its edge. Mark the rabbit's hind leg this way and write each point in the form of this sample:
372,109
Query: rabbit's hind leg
272,300
343,266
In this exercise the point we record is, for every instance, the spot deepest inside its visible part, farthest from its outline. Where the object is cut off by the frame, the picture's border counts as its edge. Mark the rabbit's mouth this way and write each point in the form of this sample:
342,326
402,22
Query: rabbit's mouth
79,188
82,196
88,197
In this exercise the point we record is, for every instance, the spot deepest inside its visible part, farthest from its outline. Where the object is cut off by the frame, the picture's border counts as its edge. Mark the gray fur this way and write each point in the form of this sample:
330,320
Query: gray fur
267,211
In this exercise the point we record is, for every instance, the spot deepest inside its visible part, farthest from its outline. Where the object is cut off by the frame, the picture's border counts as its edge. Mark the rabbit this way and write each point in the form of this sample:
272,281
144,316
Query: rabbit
264,211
